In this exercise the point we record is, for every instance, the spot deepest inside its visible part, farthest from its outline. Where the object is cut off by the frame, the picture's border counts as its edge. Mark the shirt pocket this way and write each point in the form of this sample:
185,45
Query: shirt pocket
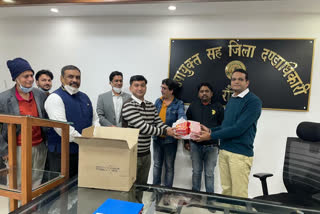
172,113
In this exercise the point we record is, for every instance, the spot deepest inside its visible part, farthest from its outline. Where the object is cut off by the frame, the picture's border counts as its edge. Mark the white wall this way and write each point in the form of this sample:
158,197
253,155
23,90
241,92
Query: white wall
140,45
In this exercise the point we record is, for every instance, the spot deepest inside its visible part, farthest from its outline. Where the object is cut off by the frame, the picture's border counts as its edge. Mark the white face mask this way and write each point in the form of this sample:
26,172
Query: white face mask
25,89
117,90
71,90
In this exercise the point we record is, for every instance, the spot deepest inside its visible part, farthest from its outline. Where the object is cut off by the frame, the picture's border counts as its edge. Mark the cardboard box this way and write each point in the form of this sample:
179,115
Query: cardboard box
107,158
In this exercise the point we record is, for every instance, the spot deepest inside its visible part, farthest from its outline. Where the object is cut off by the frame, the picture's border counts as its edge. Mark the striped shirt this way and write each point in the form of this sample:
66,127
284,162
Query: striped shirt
145,117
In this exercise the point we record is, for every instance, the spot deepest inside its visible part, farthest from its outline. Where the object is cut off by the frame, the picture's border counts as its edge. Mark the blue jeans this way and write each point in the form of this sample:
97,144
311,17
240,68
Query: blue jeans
203,156
163,153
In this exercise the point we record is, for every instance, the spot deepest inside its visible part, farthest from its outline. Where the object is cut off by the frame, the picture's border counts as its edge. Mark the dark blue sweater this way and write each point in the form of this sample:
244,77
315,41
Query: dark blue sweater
238,129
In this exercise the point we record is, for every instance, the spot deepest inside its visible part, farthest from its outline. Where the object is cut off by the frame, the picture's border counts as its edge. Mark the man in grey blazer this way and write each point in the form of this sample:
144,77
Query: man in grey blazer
110,103
23,99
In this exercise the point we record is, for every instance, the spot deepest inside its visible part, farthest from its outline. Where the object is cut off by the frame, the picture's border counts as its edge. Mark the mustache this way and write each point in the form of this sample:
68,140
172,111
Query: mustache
74,83
205,97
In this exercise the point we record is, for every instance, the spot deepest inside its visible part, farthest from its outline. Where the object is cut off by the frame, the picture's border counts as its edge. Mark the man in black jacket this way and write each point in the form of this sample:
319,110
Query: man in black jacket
204,154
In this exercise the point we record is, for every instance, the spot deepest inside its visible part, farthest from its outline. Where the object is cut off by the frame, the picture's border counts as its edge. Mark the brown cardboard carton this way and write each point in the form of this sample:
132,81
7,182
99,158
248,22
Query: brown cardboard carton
107,158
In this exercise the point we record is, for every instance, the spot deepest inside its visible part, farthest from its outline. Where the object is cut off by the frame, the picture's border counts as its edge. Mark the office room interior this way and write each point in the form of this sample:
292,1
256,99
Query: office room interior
135,39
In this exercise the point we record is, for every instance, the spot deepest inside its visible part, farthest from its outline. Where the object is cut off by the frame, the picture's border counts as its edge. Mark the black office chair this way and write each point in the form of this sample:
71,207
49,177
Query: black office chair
301,170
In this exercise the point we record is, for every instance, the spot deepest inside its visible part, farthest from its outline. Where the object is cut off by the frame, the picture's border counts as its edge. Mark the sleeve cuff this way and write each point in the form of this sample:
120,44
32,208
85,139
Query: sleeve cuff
165,131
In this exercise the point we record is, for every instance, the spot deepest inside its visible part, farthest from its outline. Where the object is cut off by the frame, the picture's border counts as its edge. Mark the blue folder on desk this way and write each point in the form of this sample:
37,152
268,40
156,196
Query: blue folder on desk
113,206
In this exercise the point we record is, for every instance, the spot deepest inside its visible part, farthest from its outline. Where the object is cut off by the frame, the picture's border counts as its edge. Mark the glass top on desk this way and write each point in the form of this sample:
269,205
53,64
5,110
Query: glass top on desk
14,183
68,198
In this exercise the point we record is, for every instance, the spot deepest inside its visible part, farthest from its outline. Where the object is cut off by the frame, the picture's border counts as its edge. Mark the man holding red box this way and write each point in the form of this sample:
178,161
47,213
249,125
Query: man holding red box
236,135
204,155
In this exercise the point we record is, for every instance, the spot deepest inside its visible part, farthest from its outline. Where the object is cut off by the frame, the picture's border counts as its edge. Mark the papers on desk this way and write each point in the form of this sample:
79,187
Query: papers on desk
113,206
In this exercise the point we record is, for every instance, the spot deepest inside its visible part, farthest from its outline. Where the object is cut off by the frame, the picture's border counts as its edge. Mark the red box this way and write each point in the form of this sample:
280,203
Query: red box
183,128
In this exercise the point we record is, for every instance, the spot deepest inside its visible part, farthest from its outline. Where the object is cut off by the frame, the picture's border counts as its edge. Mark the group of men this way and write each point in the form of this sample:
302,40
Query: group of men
234,127
66,103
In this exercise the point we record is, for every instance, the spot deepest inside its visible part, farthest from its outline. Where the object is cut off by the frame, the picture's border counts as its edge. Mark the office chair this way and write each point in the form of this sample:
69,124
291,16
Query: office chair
301,170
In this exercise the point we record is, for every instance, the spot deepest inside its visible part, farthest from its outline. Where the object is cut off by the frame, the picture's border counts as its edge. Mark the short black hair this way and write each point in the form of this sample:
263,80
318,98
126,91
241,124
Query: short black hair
205,84
69,67
138,78
46,72
242,71
172,85
115,73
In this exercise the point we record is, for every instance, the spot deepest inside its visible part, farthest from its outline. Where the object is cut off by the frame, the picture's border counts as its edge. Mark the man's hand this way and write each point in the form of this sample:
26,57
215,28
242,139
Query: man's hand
187,146
170,132
204,128
204,136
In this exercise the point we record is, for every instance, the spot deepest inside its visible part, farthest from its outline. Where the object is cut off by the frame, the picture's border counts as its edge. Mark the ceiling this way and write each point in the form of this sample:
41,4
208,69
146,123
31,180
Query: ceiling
160,8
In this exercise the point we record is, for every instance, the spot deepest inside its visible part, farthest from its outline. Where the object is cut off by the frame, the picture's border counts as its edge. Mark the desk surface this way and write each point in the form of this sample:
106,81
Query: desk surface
68,198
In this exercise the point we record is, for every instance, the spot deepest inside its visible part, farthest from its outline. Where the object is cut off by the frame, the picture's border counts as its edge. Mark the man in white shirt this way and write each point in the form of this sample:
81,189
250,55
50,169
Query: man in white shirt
109,104
68,104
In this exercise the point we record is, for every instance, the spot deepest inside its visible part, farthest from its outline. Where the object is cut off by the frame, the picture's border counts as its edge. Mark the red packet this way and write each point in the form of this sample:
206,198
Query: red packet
182,128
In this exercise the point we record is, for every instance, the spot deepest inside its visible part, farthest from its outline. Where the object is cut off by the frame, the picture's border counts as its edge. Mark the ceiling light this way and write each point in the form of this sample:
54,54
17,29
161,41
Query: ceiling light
172,7
8,1
54,10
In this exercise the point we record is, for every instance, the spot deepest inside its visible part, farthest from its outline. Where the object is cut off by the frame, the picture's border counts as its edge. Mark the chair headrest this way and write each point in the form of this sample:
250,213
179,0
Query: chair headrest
309,131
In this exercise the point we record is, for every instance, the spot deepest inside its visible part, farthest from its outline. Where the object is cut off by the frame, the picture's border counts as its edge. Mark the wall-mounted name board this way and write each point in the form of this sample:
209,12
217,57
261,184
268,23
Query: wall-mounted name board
279,69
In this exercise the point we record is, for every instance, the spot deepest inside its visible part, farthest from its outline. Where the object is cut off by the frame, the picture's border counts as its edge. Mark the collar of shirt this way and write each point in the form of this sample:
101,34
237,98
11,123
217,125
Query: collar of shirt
242,94
161,98
137,100
114,95
19,98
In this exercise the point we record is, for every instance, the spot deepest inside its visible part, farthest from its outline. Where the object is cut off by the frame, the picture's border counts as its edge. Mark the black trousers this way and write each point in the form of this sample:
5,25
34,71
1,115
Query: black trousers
53,164
3,172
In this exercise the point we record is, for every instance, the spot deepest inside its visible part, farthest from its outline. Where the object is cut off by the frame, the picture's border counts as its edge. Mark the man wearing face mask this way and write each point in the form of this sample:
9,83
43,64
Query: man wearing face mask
44,80
23,99
67,103
110,103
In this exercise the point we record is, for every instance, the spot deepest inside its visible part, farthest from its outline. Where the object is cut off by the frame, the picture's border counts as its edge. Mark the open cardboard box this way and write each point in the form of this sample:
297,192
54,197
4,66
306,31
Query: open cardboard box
107,158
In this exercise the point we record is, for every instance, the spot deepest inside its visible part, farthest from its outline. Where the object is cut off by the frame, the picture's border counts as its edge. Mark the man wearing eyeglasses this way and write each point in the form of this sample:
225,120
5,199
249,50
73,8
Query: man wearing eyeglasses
170,109
236,134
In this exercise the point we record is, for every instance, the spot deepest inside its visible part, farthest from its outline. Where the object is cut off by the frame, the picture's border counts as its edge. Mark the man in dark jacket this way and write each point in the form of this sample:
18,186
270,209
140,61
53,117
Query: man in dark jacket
204,154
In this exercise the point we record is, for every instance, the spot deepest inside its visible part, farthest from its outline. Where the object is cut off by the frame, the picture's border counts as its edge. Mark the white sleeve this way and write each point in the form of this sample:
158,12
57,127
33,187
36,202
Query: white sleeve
55,109
95,118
